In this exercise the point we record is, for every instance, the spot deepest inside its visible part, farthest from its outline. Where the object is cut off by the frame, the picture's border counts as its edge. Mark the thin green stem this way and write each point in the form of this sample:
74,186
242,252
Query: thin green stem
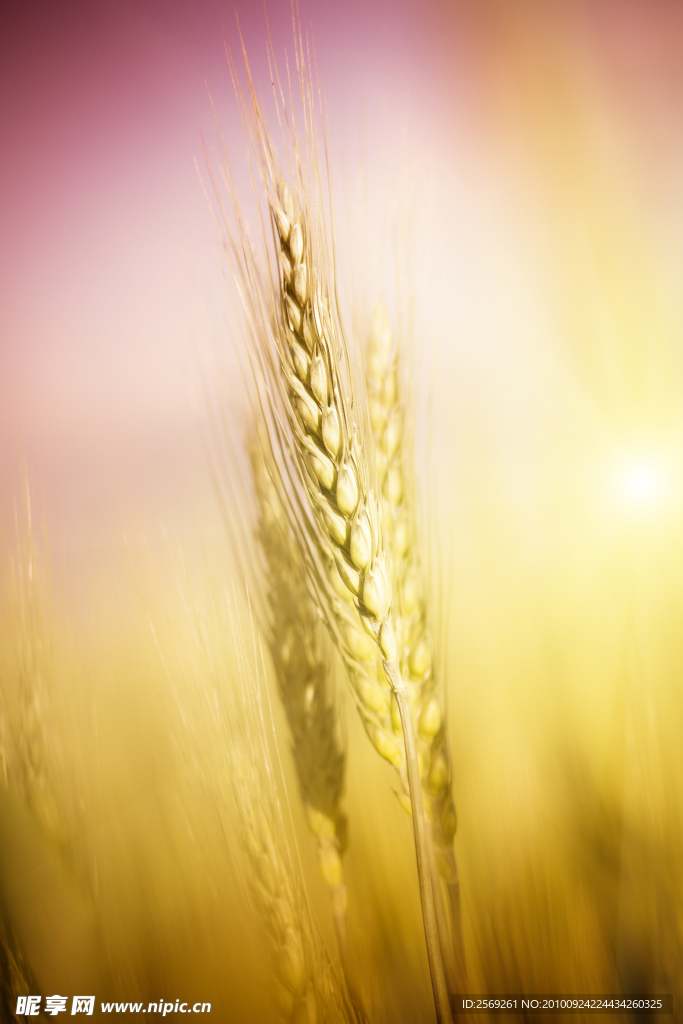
441,999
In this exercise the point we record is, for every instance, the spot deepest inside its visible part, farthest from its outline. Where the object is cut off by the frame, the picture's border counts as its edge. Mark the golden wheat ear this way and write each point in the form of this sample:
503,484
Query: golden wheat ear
303,373
347,522
327,445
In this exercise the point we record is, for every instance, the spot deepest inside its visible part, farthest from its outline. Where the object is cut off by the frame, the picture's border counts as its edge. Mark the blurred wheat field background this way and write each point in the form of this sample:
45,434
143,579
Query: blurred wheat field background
533,157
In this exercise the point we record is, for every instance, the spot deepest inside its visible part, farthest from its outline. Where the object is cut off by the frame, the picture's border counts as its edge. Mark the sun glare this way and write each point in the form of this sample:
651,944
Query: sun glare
641,483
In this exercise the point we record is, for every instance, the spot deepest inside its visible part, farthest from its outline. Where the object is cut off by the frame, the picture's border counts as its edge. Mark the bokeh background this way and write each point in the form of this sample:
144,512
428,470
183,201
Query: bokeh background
540,145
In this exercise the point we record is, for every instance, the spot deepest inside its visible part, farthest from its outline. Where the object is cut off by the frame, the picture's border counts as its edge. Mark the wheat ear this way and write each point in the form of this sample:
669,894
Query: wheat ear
388,421
301,354
332,461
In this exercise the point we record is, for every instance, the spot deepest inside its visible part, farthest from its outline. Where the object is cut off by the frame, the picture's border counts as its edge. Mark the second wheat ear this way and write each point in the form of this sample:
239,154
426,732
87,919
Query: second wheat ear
303,676
394,447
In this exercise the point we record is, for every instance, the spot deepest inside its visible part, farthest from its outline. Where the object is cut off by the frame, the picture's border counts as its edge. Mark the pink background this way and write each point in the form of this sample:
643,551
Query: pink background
106,237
